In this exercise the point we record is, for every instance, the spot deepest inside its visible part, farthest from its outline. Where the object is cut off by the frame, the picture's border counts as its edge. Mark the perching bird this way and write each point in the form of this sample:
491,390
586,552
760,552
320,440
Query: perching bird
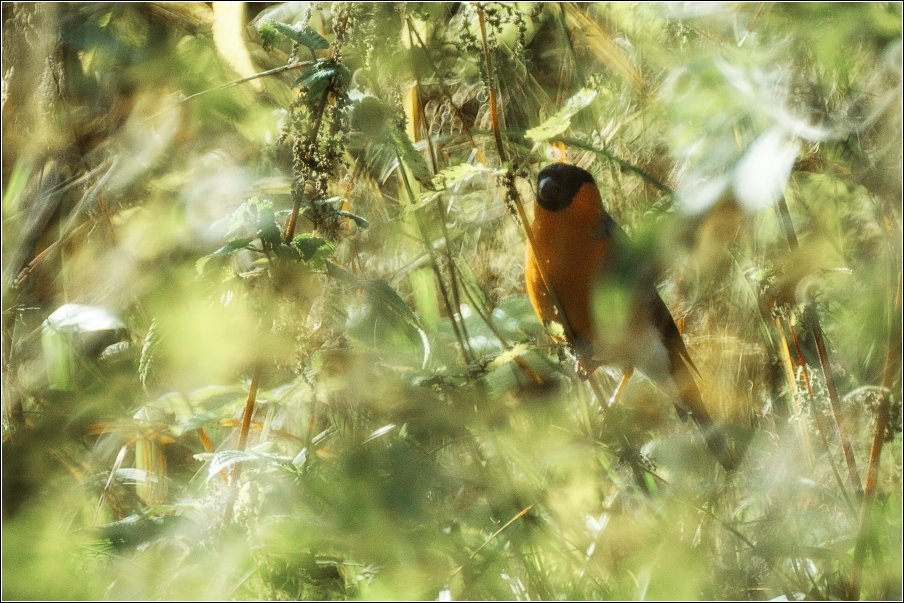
613,314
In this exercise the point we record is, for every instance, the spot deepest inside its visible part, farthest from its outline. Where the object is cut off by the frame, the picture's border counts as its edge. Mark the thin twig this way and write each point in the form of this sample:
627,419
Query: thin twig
457,325
824,360
249,408
817,413
298,187
493,536
491,88
247,413
245,80
453,270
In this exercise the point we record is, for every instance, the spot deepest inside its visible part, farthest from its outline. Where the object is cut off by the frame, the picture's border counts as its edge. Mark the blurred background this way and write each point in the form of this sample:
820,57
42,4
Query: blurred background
264,328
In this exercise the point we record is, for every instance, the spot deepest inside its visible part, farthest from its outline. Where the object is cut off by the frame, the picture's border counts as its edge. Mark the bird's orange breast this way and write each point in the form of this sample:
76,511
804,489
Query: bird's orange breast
572,253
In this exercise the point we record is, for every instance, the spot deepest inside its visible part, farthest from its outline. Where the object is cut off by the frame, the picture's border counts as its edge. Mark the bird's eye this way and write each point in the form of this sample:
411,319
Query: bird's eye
551,194
548,190
558,183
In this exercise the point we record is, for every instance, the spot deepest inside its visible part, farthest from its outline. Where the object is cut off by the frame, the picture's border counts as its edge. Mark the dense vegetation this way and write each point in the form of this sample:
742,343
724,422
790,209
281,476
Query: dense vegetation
264,325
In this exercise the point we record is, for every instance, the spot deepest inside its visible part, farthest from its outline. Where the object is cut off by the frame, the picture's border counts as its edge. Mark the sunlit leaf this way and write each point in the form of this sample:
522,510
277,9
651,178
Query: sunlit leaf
359,221
305,36
322,72
561,121
12,192
508,356
148,359
226,459
423,284
411,157
451,176
380,432
228,249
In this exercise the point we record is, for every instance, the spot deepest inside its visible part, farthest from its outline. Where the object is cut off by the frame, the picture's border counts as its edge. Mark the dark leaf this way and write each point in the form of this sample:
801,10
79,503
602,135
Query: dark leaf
323,71
358,220
313,250
227,249
305,36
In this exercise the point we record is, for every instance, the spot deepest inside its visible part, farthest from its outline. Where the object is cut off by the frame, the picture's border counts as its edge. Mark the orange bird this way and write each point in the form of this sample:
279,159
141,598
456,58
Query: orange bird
584,276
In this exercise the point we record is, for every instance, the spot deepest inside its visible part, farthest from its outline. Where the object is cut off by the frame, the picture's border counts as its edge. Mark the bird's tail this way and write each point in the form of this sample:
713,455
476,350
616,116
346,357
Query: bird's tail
716,441
692,404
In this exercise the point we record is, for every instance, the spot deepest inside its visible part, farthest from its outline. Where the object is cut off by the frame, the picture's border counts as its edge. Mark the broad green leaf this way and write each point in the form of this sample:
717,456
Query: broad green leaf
457,174
385,321
411,157
373,118
313,250
227,249
267,228
323,71
561,121
305,36
361,222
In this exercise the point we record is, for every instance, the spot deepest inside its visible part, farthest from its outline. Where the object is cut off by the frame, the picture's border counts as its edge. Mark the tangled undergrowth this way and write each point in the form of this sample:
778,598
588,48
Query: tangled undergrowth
265,333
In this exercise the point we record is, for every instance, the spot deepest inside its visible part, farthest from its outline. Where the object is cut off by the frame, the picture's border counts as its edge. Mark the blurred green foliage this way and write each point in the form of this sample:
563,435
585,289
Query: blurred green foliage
333,232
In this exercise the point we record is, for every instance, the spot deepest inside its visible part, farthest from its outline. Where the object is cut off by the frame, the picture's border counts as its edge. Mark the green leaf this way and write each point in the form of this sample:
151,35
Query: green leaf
313,250
508,356
385,322
202,407
373,118
411,157
323,71
389,319
561,121
423,284
227,249
305,36
18,179
362,223
457,174
267,228
224,459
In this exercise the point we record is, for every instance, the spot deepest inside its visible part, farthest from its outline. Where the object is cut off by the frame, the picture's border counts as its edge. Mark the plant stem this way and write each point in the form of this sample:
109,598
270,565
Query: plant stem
247,413
249,408
491,88
817,413
457,325
298,192
824,360
244,80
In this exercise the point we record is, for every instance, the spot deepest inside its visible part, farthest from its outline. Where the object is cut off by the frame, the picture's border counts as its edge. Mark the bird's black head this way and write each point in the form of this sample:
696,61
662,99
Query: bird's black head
558,183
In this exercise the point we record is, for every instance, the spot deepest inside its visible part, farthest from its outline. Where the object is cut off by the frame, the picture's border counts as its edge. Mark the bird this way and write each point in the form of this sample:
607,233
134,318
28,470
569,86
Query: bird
593,291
